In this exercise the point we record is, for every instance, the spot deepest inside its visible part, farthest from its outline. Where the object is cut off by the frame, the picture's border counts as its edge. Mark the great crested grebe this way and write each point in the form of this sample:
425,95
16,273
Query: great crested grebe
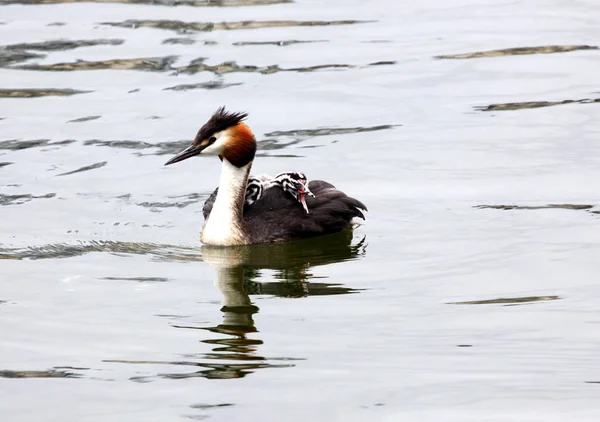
275,216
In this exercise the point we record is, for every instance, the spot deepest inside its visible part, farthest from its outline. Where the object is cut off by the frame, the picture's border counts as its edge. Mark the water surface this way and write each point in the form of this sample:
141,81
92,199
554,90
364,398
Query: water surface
469,129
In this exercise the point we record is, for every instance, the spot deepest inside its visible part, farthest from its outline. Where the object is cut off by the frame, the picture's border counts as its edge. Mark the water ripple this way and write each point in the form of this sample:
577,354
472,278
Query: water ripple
85,168
534,104
519,51
22,198
38,92
537,207
182,27
61,45
507,301
156,64
193,3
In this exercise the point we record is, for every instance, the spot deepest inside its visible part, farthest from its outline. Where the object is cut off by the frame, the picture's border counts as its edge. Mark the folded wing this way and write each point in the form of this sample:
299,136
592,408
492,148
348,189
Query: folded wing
276,216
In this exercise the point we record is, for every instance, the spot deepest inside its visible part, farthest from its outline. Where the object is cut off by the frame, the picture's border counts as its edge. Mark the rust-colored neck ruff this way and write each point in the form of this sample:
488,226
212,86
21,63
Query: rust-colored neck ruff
241,148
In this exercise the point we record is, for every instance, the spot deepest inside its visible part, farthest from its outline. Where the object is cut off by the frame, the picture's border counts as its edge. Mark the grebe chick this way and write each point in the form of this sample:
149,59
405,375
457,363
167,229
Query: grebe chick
275,216
292,182
254,190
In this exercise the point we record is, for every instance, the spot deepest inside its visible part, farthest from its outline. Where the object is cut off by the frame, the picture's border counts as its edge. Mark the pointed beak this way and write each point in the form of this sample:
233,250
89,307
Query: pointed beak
186,153
305,187
307,191
302,192
302,199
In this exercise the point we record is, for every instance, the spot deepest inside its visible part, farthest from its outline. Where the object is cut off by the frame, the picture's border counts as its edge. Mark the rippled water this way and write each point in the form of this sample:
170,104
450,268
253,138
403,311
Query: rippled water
470,129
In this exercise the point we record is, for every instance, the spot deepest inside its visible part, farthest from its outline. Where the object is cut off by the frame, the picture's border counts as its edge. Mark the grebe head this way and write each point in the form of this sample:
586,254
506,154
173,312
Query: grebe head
225,135
294,183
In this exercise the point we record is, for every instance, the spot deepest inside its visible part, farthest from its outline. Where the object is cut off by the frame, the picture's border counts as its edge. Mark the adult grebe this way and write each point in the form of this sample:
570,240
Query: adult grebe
275,216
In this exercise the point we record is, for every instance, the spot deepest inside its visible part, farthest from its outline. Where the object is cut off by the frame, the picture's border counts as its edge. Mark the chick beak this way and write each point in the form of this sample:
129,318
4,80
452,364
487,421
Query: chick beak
302,199
302,192
307,190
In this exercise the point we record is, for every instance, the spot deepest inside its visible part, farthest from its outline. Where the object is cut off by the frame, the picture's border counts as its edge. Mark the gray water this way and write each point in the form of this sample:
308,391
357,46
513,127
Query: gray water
469,128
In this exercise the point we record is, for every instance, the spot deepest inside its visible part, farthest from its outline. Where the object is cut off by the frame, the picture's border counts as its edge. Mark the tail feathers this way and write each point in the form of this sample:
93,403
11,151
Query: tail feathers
334,201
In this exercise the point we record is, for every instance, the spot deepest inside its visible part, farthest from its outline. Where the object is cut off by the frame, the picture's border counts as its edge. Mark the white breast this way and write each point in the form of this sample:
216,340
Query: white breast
218,230
223,225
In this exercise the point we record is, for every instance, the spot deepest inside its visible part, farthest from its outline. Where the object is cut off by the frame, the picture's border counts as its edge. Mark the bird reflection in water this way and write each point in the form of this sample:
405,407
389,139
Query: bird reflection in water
237,268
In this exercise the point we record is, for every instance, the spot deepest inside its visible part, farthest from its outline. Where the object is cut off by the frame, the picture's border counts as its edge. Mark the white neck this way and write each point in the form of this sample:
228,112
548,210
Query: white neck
225,224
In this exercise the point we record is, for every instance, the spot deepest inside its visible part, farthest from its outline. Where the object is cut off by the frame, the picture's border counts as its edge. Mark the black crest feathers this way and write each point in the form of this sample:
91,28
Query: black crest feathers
220,120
